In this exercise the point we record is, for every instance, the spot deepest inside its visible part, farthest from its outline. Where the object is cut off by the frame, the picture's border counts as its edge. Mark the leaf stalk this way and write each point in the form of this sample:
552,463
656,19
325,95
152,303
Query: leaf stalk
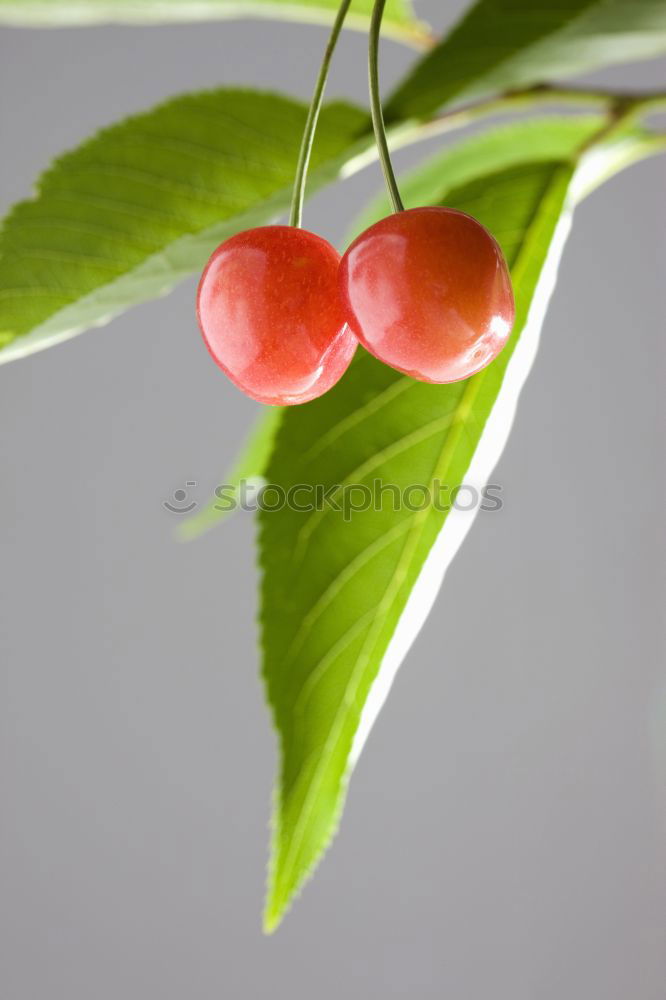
544,94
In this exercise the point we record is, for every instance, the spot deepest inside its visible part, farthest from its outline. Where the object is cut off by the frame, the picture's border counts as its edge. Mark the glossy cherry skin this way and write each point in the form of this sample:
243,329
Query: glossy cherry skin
269,310
428,292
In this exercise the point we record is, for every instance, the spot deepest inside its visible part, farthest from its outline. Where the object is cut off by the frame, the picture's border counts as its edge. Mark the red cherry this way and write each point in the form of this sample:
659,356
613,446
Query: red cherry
427,291
269,310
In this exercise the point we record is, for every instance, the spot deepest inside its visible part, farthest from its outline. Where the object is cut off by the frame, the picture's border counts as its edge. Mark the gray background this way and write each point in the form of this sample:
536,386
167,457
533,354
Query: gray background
504,835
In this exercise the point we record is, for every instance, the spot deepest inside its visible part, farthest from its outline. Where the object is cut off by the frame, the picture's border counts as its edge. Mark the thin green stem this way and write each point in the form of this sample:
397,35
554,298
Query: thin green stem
639,100
376,107
527,99
296,214
542,95
618,114
403,134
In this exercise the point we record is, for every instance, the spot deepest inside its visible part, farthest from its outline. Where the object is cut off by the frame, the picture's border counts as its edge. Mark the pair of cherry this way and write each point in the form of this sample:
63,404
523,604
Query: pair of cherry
427,291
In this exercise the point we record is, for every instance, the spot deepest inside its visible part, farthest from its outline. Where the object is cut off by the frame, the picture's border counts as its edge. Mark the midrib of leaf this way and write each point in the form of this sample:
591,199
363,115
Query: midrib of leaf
374,622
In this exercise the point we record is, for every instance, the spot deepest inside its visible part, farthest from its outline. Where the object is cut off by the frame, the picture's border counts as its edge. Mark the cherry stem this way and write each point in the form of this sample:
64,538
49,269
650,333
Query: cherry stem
376,107
305,152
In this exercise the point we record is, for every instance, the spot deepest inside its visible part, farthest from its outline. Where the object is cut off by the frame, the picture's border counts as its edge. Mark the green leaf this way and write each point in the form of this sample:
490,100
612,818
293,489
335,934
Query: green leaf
501,45
141,205
344,596
399,19
334,590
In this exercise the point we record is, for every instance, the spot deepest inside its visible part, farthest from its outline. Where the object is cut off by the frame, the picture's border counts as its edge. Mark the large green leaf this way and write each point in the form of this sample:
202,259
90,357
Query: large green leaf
141,205
344,596
504,44
399,18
